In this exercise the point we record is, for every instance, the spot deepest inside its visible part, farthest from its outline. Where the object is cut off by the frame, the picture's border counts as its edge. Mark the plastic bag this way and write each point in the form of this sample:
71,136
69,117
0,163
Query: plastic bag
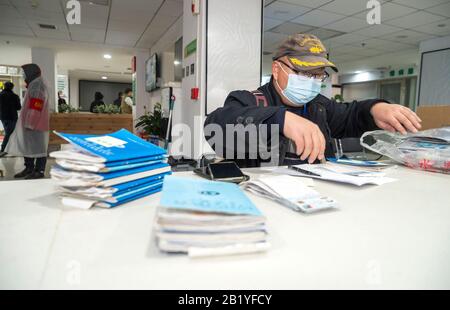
427,150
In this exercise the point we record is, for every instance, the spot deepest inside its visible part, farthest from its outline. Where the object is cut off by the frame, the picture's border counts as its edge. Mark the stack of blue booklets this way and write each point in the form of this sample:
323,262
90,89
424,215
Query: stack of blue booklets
108,170
205,218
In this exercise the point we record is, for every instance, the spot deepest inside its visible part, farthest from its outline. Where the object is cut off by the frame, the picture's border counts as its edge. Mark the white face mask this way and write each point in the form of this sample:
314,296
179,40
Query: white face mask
300,89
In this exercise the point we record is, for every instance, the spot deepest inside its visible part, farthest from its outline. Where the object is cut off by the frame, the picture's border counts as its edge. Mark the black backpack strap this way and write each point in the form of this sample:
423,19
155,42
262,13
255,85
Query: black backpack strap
260,98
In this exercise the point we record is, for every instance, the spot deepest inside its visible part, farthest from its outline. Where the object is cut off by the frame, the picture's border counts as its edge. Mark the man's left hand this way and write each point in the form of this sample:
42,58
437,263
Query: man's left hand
394,117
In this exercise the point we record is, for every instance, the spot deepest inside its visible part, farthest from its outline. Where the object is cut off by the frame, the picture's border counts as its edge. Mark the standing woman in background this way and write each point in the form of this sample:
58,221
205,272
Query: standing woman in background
127,102
30,139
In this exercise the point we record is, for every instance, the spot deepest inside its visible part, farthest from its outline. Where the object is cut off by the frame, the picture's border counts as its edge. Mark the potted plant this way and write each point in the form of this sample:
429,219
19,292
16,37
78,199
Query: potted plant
150,124
107,109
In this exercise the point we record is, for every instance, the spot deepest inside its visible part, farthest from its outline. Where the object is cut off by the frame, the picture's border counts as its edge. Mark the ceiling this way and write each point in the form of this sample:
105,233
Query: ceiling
125,23
353,43
116,27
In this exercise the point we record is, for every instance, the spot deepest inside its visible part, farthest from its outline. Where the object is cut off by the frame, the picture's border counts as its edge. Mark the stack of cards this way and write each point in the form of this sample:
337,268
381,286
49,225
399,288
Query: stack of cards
292,192
205,218
108,170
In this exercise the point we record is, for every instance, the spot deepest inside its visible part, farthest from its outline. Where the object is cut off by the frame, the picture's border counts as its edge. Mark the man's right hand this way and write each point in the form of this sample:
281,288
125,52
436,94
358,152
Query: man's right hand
307,136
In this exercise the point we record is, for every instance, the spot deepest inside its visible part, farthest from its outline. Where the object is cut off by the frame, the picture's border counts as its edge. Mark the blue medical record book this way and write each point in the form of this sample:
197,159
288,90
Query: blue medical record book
115,147
206,196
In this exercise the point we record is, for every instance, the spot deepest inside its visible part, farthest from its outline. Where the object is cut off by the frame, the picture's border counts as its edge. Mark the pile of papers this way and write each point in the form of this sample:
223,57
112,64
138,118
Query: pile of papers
292,192
334,172
108,170
206,218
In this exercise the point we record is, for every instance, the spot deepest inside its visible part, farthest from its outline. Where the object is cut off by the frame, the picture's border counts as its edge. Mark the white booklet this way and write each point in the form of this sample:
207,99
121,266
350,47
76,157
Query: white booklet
292,192
338,173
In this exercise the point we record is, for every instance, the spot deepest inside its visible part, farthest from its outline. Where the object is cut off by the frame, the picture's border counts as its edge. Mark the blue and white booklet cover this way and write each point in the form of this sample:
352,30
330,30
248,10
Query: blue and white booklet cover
205,218
117,148
206,196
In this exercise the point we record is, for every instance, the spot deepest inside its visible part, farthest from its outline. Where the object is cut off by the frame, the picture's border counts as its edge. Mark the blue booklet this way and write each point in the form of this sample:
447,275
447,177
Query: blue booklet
129,186
121,146
206,196
131,196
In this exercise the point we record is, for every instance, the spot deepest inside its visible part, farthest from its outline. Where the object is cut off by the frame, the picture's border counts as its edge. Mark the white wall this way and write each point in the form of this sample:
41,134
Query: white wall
73,91
46,59
14,55
161,47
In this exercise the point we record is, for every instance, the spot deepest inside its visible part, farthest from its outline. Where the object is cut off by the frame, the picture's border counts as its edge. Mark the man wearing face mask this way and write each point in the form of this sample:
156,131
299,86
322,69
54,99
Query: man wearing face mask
307,120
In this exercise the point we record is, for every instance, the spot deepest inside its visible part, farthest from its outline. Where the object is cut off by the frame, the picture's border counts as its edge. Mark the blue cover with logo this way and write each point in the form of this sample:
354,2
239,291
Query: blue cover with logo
206,196
119,147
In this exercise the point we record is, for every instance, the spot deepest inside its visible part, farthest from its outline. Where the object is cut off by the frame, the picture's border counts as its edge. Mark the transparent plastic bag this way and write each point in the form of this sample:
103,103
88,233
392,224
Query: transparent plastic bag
427,150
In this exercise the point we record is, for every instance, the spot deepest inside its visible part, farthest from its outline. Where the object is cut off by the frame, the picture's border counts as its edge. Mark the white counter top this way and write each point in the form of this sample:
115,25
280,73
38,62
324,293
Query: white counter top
391,236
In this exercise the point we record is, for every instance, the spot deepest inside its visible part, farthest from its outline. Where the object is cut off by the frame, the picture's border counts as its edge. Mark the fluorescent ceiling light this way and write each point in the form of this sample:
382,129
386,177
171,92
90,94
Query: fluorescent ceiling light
107,56
104,77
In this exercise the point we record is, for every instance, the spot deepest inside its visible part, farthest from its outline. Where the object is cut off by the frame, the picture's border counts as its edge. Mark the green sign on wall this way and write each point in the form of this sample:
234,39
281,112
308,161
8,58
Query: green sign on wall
190,48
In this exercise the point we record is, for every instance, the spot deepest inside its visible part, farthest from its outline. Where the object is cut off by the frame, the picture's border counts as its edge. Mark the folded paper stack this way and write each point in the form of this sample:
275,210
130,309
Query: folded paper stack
108,170
206,218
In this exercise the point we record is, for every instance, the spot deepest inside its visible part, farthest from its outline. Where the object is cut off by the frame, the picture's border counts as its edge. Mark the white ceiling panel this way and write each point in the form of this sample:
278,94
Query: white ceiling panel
309,3
407,36
94,16
365,51
440,28
324,34
348,24
377,30
135,26
415,19
122,38
52,34
271,38
42,16
345,7
41,5
389,11
171,8
290,28
20,31
83,34
162,21
318,18
442,9
8,11
284,11
420,4
270,23
387,46
348,39
134,9
151,35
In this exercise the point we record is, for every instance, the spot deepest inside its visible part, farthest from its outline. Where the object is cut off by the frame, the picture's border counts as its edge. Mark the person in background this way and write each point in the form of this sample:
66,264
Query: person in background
118,101
98,101
127,102
61,100
307,121
30,139
9,105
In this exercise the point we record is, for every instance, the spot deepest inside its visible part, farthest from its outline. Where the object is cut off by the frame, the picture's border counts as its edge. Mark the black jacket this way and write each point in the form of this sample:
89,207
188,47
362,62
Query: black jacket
335,120
9,105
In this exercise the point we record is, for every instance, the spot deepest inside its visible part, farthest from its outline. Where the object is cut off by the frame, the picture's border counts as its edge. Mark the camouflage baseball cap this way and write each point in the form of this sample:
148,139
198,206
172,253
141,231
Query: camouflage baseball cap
305,52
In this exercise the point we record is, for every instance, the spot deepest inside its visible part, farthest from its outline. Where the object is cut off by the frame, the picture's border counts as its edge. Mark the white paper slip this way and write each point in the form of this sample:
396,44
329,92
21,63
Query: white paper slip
341,174
291,192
